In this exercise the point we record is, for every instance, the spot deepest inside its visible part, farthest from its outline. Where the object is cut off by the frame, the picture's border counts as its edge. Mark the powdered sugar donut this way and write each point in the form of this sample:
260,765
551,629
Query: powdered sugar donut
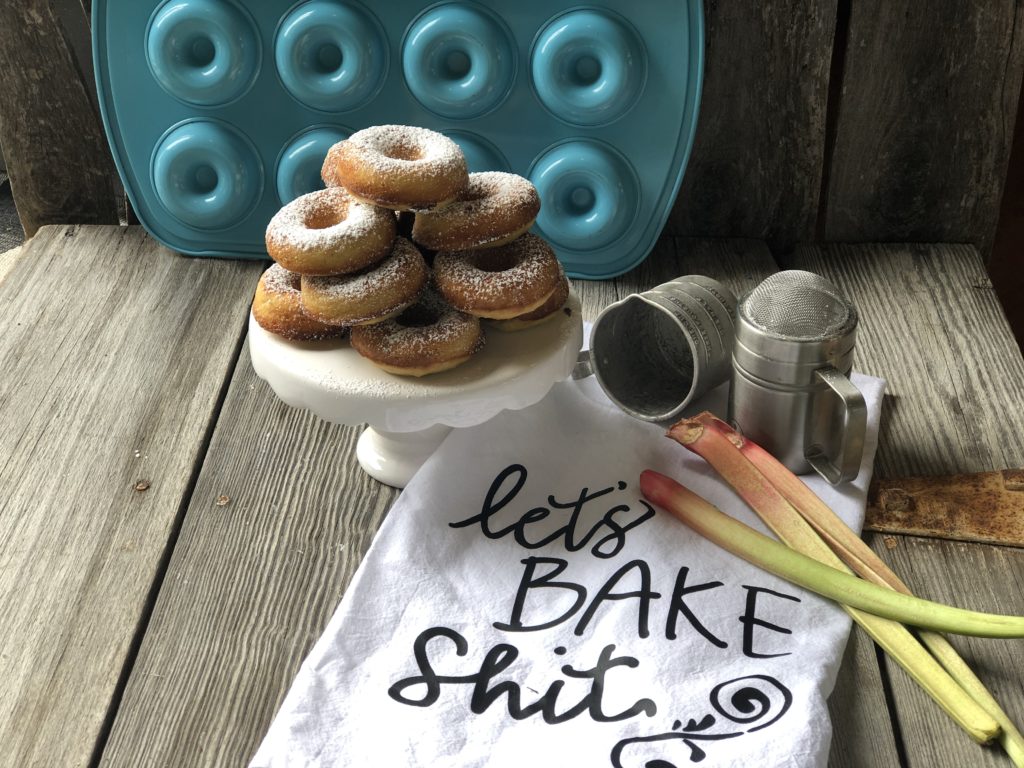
277,308
499,283
428,337
549,309
398,166
493,209
370,296
328,232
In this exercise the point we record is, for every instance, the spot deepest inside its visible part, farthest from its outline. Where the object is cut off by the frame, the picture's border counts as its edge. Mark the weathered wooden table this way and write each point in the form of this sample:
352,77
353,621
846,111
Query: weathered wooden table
173,538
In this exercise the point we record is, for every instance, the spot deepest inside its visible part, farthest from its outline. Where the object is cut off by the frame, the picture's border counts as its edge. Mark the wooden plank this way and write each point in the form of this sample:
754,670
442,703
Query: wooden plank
61,170
114,354
251,585
861,730
8,260
925,121
931,325
977,576
73,16
756,166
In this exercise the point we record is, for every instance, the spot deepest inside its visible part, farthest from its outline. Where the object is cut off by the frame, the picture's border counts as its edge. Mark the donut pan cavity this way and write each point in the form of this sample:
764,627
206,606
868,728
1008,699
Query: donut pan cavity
219,111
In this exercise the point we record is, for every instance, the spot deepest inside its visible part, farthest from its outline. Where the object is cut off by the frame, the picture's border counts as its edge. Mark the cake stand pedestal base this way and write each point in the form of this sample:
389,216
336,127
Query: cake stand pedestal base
394,457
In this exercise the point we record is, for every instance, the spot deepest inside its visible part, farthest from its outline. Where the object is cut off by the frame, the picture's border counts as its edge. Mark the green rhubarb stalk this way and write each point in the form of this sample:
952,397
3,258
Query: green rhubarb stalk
862,559
779,515
897,641
768,554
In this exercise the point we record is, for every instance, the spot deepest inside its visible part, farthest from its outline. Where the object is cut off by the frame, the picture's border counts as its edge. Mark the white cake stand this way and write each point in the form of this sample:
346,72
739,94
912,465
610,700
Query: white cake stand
408,417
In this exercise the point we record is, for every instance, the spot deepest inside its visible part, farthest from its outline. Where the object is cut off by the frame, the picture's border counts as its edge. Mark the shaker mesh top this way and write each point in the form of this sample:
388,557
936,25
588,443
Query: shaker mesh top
800,306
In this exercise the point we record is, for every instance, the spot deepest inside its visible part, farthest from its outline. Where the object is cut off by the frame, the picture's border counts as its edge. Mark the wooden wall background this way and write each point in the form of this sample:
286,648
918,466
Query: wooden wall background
822,120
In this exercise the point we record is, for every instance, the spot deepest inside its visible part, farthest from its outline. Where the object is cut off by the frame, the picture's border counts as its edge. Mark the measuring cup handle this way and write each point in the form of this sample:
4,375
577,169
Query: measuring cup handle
855,418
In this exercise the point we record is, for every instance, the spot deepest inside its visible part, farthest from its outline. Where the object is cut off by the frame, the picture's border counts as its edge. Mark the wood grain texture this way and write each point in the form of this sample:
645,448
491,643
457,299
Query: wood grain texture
756,166
111,378
738,263
56,154
980,577
251,584
862,734
925,121
931,325
7,261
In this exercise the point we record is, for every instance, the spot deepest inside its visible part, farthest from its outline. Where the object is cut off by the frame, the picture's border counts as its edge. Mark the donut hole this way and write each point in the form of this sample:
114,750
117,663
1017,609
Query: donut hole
203,180
580,201
456,65
324,216
403,151
200,52
585,71
419,316
495,260
328,59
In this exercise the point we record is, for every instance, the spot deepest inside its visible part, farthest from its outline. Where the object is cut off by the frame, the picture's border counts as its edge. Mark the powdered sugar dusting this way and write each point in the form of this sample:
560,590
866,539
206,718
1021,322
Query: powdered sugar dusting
498,277
406,145
426,333
328,219
493,206
371,295
506,188
399,166
396,268
278,280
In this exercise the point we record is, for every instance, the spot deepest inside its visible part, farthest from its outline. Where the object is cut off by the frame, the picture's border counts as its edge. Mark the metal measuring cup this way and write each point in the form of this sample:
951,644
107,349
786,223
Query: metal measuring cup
653,353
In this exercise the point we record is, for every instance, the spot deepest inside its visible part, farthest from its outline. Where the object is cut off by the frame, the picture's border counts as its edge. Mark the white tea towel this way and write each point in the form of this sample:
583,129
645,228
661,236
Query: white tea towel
522,605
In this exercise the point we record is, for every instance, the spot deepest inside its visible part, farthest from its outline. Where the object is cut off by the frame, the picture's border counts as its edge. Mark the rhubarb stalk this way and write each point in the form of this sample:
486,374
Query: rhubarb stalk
760,492
768,554
901,645
862,559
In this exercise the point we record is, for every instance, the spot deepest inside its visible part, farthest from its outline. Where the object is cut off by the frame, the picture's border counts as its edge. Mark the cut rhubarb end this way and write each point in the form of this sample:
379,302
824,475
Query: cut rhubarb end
714,446
839,536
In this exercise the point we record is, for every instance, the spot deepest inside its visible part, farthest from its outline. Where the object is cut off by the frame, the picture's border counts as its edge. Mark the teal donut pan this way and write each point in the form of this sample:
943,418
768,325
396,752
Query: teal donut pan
220,112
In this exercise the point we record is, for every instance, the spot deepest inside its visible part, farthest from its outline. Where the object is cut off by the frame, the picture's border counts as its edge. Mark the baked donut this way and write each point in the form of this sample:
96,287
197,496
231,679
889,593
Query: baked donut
499,283
277,308
398,166
494,209
428,337
544,312
370,296
328,232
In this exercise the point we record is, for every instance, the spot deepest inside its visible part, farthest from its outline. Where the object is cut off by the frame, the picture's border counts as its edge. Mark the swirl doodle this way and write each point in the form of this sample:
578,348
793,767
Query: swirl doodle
752,703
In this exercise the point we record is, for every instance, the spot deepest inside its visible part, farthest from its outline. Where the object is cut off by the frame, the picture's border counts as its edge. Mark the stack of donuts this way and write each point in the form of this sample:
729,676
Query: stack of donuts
407,252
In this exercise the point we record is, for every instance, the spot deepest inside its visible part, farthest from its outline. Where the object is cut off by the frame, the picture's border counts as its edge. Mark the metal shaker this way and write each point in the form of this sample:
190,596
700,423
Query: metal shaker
791,392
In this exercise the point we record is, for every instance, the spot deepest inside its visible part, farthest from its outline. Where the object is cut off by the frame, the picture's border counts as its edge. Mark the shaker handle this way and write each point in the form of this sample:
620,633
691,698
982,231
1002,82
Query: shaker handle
855,417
